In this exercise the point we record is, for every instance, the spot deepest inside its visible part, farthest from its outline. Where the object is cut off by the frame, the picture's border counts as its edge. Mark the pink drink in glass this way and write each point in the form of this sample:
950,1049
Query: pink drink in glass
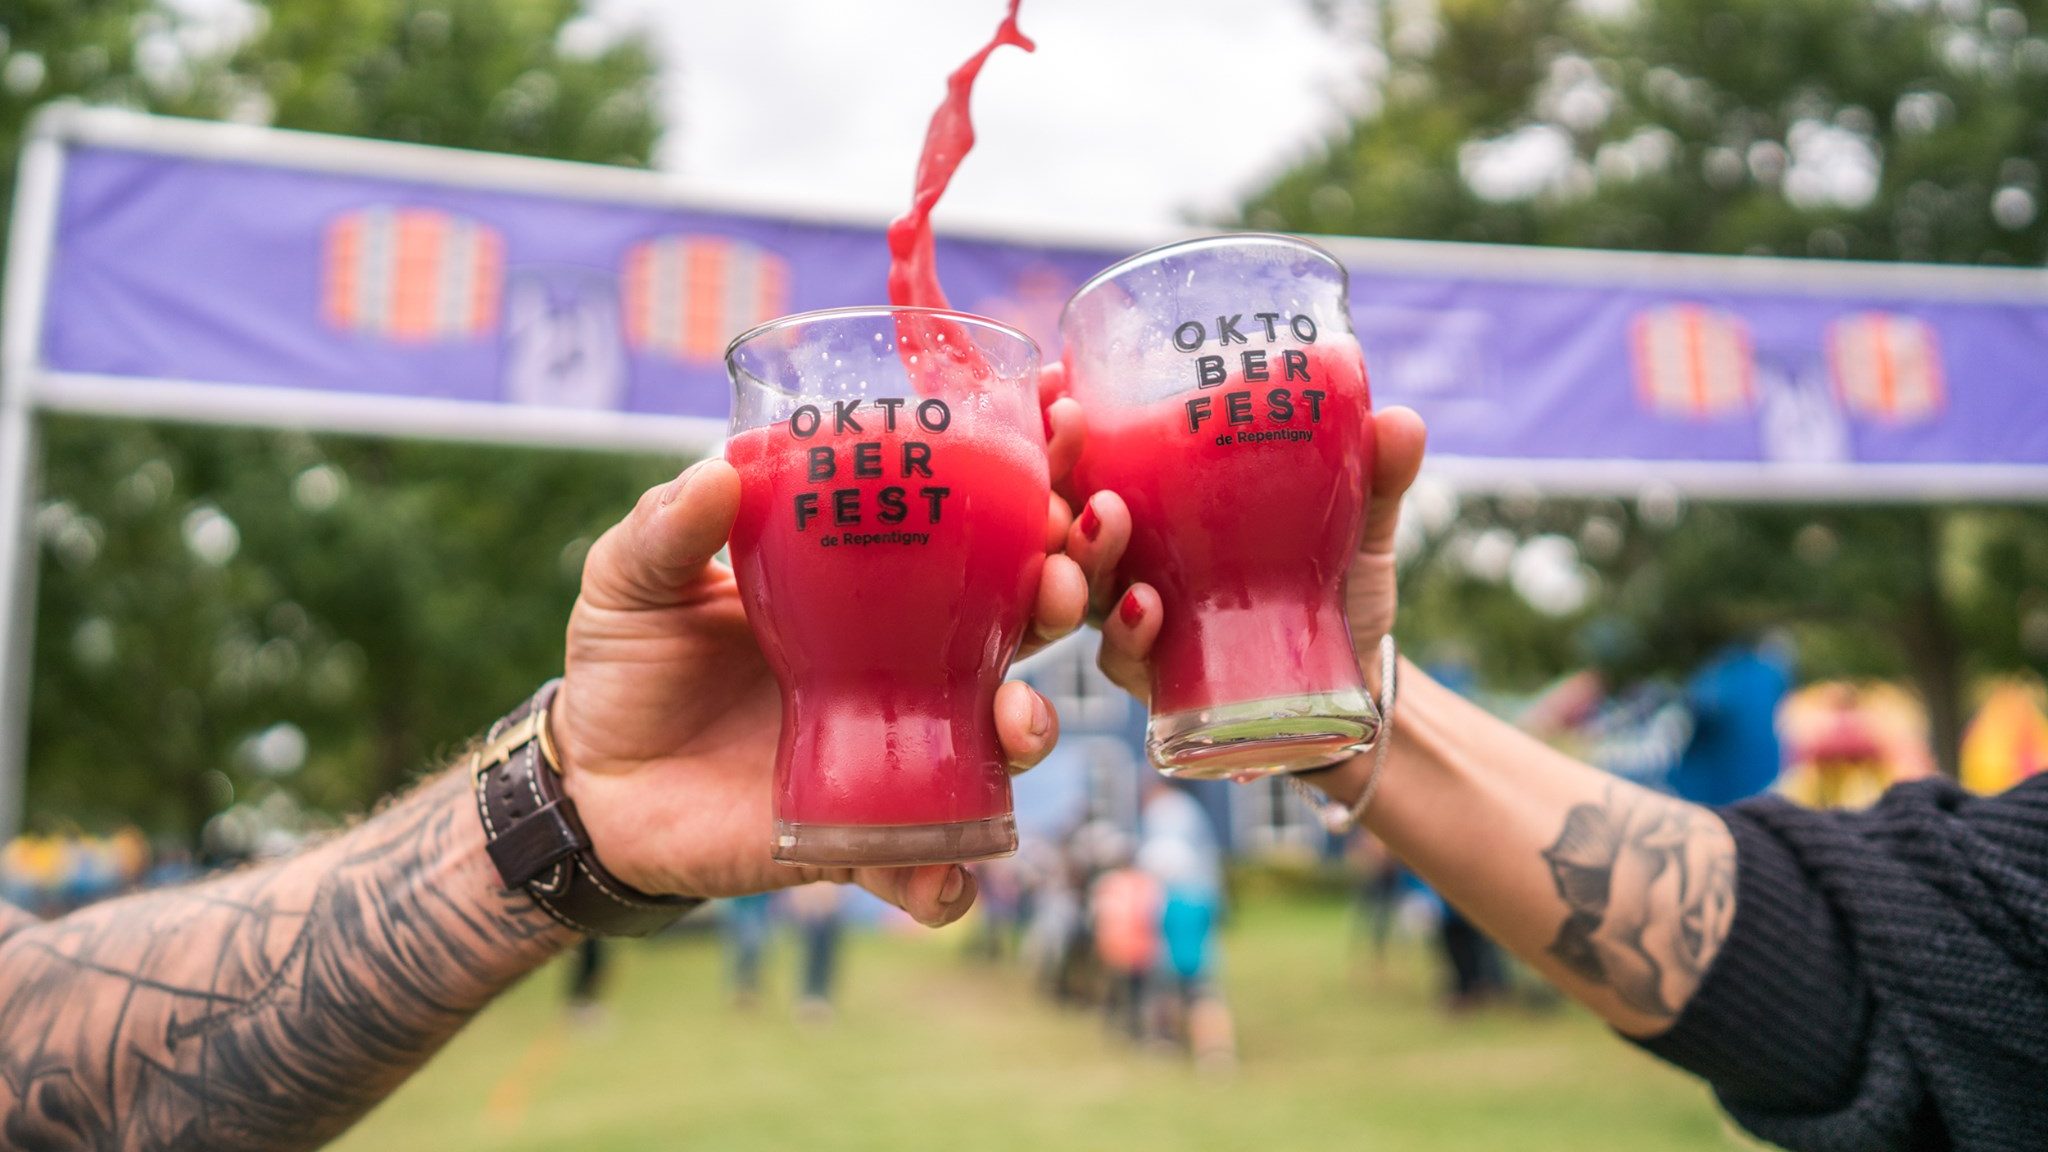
1227,404
888,549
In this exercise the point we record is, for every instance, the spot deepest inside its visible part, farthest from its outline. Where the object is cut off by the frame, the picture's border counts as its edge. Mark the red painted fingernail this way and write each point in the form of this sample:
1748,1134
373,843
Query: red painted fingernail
1131,609
1091,524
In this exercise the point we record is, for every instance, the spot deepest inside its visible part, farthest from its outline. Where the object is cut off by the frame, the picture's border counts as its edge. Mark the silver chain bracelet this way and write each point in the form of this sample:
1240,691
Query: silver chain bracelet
1339,818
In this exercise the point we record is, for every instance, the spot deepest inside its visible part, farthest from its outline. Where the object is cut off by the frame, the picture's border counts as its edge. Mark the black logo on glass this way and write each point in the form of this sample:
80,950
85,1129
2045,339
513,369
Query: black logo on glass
893,504
1284,372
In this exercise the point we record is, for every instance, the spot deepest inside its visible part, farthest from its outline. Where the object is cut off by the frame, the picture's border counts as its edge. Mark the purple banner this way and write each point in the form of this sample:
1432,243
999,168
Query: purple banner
171,269
176,269
1538,369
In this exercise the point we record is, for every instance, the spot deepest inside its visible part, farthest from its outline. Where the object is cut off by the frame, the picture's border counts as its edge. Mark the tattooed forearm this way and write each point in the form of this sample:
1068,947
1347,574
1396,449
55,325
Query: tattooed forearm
267,1010
1649,888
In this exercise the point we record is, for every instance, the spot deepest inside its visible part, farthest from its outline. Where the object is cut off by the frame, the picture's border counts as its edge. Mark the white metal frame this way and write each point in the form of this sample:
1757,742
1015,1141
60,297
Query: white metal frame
30,238
27,386
450,167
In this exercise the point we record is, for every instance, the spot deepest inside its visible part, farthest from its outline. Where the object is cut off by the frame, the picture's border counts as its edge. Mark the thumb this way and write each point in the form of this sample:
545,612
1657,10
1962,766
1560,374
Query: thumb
653,557
1398,436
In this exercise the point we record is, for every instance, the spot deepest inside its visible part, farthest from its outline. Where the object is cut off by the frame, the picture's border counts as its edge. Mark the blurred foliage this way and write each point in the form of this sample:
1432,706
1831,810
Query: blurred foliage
381,601
79,48
1862,129
202,585
1277,877
493,74
1868,129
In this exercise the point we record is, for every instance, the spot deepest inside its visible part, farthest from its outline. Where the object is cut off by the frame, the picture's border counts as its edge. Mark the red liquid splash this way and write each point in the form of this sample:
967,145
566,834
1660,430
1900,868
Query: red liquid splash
913,271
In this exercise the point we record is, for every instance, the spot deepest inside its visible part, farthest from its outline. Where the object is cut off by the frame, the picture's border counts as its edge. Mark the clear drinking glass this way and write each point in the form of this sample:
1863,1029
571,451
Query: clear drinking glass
1227,403
888,546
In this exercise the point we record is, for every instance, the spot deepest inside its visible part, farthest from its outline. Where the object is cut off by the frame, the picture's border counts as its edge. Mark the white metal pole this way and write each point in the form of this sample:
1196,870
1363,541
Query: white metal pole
18,553
31,238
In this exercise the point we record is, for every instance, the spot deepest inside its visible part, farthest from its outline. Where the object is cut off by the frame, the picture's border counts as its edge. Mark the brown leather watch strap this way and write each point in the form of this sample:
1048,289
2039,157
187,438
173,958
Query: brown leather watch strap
537,841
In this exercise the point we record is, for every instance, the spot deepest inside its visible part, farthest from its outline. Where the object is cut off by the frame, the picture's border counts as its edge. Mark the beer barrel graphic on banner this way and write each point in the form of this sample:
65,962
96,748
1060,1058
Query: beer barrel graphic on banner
685,296
1886,366
1693,362
412,274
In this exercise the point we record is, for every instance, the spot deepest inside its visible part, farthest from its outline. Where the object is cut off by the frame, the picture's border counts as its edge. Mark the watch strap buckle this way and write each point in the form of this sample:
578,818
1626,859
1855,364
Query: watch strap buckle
518,734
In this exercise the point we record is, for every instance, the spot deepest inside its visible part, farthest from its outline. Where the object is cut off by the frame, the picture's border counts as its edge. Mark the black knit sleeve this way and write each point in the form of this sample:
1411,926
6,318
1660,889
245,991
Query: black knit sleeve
1885,982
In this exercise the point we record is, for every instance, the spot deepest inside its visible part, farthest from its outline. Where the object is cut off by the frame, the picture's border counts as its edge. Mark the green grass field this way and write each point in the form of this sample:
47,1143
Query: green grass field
931,1051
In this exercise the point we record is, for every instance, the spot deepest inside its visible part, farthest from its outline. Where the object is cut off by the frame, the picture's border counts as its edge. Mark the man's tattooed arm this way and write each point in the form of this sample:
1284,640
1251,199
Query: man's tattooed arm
266,1010
1649,890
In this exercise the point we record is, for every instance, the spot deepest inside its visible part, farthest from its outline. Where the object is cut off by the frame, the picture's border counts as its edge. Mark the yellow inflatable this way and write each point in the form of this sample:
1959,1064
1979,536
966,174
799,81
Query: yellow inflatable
2007,741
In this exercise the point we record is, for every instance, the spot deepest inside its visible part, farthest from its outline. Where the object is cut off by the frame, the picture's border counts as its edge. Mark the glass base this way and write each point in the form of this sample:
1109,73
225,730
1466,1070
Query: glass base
893,845
1262,737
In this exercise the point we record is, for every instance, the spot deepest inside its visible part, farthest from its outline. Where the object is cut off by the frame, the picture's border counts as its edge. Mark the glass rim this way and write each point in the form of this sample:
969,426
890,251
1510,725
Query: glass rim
872,310
1195,243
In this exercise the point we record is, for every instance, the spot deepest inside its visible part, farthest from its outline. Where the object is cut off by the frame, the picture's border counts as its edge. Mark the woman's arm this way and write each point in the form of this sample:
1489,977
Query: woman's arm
1625,899
1620,896
267,1009
1755,946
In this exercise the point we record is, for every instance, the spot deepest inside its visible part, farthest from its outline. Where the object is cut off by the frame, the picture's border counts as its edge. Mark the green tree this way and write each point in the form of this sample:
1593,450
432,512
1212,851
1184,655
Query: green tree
201,586
121,52
487,74
1833,128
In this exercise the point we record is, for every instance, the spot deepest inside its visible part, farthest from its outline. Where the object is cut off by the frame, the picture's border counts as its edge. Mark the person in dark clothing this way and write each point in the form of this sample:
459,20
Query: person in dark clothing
1884,983
745,928
586,980
1845,981
819,924
1472,961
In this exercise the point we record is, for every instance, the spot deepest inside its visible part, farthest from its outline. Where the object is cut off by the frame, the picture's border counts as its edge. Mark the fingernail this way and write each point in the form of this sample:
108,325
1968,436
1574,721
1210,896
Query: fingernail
1091,524
1041,716
1131,610
956,883
681,483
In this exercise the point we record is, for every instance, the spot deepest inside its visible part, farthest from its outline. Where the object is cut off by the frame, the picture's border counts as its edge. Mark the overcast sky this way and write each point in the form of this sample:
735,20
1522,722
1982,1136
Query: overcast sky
1132,114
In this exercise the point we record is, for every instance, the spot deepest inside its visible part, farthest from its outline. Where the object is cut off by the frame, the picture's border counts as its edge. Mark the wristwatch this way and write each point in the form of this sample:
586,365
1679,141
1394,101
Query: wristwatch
535,839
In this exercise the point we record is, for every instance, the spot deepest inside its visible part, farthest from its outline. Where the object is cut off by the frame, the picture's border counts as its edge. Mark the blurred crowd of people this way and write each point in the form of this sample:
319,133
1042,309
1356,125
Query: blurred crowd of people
54,874
1475,972
51,874
1123,924
1103,919
816,914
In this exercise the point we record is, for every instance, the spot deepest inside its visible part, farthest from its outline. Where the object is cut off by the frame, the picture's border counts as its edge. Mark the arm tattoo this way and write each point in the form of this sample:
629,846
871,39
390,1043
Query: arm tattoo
267,1010
1649,890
